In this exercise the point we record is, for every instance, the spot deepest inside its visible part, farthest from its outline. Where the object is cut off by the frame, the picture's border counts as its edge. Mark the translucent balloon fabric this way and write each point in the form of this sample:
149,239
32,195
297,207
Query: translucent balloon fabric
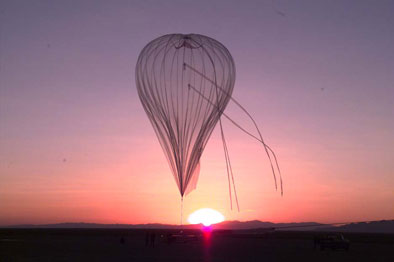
184,83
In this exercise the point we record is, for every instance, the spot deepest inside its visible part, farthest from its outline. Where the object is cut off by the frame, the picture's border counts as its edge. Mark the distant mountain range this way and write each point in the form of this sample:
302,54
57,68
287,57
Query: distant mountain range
384,226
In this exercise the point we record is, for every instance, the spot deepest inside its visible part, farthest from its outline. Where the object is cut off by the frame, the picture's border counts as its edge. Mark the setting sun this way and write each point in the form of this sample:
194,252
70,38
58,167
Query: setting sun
205,216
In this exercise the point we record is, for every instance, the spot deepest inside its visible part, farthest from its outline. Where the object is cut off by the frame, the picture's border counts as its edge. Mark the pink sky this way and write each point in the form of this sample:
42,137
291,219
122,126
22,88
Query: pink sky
76,145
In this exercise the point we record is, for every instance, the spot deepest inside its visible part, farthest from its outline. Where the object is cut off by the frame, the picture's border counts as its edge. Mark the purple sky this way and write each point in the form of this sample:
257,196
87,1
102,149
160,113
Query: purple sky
318,76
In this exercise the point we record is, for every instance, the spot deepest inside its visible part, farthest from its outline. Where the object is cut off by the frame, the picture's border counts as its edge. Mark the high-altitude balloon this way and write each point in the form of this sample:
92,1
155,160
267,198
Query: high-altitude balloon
184,83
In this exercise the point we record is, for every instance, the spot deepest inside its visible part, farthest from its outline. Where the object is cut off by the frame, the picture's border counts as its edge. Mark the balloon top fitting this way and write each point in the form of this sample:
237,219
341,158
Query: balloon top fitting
188,41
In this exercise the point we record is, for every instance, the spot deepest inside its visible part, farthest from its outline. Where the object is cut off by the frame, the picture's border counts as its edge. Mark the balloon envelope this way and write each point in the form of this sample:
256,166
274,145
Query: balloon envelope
184,83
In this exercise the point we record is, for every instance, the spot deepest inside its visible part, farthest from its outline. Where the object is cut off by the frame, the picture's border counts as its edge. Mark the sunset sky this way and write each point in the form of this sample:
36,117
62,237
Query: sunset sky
77,146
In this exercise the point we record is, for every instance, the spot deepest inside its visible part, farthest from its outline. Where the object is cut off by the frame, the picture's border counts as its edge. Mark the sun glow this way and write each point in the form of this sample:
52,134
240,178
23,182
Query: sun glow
205,216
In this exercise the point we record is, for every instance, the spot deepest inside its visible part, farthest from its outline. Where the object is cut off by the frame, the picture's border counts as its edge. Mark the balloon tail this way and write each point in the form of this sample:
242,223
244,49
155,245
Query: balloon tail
181,211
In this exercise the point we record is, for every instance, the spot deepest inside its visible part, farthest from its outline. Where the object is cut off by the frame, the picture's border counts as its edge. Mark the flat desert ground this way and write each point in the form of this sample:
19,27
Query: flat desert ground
106,245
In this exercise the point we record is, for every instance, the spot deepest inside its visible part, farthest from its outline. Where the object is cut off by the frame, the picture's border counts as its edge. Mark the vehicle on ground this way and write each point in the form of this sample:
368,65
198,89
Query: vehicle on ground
332,241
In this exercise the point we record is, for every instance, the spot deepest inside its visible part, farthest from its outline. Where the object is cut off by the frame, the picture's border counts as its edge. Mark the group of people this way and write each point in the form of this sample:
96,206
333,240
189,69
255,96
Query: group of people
150,238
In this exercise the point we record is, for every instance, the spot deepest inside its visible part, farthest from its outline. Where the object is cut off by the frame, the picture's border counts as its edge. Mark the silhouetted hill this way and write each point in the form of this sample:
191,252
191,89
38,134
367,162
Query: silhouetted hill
384,226
234,225
95,225
255,224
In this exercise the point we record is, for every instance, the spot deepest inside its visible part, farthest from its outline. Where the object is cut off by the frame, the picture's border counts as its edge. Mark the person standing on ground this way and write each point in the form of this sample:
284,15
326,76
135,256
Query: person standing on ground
152,239
146,238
